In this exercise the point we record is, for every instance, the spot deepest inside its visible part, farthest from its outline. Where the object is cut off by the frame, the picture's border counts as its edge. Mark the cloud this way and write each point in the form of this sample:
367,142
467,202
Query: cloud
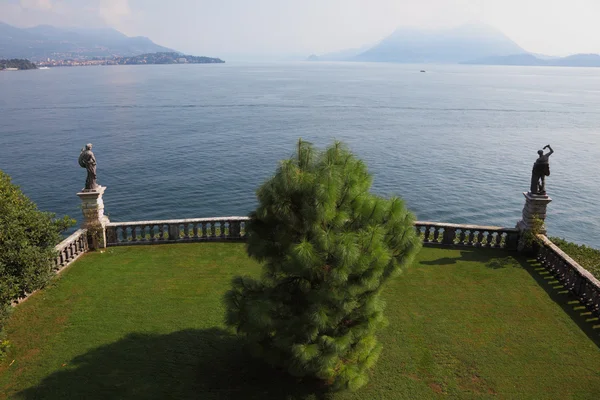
113,11
36,4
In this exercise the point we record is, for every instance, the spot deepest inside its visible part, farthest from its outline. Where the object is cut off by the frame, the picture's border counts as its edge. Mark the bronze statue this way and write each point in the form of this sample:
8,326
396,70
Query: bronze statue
541,169
88,161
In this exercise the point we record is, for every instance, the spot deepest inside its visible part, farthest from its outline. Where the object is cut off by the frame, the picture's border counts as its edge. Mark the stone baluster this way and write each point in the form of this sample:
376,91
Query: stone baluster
449,235
471,238
234,229
186,231
436,234
461,239
173,231
111,235
427,232
479,239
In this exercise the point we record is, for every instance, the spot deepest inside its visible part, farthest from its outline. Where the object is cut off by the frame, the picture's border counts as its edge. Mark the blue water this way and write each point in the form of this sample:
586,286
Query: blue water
178,141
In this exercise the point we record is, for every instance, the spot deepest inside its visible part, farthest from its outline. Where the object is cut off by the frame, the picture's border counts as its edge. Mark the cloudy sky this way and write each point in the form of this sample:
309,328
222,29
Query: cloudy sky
218,27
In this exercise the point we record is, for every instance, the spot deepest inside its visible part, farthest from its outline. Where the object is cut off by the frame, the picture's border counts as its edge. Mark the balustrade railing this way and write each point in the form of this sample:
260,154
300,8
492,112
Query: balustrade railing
437,233
70,249
570,274
176,230
233,228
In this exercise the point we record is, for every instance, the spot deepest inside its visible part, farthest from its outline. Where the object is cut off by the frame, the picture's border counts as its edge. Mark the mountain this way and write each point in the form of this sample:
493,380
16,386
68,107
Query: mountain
455,45
576,60
342,55
513,59
44,41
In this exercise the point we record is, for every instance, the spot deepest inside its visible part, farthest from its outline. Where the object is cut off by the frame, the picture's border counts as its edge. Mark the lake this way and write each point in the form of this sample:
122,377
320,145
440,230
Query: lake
183,141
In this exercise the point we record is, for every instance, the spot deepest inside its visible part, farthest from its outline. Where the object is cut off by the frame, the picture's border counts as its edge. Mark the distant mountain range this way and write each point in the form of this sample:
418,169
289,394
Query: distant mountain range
576,60
473,43
44,41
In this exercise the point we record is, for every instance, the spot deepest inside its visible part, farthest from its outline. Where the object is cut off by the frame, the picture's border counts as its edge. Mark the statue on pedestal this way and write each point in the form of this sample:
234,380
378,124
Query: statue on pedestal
541,169
88,161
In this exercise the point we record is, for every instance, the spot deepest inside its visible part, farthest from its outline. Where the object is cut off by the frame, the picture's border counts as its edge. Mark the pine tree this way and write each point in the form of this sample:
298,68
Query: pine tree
327,245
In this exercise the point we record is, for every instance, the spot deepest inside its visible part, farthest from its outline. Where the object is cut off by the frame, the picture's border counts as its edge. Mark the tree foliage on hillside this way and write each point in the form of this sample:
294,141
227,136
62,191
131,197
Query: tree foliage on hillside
27,240
17,63
328,246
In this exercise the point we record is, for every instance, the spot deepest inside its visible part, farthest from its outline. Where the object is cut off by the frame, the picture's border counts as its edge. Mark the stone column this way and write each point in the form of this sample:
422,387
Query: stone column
94,219
535,207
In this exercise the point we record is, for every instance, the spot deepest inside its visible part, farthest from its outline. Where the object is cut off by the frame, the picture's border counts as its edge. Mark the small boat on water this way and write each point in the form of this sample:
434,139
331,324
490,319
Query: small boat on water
423,70
43,68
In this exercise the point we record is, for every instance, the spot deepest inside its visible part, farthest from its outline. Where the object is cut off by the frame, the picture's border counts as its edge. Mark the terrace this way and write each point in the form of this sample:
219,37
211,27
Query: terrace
147,322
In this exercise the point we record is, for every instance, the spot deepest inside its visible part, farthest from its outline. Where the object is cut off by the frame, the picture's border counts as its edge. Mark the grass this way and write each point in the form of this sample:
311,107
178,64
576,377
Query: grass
145,322
587,257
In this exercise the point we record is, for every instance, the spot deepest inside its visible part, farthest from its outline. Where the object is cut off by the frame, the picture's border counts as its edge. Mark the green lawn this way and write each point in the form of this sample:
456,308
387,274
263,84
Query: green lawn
145,322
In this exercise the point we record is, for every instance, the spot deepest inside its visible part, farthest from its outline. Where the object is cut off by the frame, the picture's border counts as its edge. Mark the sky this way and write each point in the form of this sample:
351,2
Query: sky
303,27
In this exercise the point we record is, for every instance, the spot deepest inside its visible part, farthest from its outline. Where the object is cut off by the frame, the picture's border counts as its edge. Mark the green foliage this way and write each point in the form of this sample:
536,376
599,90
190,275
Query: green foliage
328,245
587,257
17,63
27,240
529,237
4,346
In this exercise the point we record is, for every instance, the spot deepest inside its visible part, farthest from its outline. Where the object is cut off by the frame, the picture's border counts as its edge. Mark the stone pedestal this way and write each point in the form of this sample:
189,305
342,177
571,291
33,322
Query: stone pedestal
94,220
535,207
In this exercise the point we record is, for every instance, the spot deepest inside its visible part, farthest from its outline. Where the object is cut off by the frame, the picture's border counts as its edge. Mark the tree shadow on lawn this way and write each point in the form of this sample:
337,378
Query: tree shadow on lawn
491,258
189,364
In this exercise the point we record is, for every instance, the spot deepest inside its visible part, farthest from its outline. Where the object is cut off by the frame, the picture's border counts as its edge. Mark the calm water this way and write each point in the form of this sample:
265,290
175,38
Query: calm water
457,143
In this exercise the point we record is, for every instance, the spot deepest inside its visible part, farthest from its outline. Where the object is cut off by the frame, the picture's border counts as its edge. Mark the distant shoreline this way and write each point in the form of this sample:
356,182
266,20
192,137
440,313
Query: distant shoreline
142,59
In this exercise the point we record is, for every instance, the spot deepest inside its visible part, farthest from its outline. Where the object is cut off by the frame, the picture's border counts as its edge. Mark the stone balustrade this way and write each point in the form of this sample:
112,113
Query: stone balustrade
233,228
570,274
70,249
436,233
176,230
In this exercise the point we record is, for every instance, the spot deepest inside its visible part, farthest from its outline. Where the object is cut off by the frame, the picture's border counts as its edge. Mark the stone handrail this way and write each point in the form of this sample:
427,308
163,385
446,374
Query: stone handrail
569,273
70,249
233,228
436,233
175,230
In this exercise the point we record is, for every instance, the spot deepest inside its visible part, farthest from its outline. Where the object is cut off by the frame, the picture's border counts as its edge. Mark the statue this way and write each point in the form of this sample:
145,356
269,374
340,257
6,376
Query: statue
88,161
541,169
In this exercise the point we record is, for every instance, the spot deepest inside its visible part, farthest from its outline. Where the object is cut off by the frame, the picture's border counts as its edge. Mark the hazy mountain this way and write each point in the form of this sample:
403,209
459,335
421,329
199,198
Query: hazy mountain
455,45
342,55
576,60
513,59
46,41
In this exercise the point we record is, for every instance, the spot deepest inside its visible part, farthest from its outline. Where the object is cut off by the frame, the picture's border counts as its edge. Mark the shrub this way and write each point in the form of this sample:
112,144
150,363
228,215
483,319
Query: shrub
587,257
27,240
328,246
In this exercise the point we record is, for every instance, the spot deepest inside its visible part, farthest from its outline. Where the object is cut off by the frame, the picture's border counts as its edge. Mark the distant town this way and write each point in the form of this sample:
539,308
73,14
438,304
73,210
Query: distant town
149,58
143,59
